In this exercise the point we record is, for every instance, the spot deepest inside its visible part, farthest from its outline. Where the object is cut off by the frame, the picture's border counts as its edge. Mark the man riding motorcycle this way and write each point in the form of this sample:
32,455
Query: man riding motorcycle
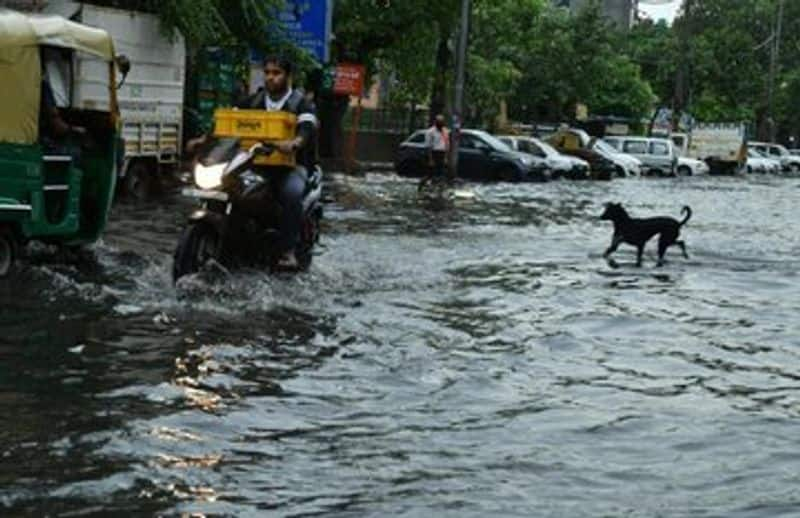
289,184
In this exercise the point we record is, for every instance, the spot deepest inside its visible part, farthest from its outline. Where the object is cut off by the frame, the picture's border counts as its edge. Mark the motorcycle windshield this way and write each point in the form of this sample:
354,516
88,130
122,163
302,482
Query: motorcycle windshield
220,151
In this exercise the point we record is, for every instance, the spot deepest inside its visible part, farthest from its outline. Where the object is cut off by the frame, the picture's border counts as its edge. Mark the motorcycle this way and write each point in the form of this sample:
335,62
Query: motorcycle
237,224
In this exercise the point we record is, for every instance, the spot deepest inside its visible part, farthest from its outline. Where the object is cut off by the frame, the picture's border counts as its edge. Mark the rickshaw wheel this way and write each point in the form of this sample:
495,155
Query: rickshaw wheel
8,251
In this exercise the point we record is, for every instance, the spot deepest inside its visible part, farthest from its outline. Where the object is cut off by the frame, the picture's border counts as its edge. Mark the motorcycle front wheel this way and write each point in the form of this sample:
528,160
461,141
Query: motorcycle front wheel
198,244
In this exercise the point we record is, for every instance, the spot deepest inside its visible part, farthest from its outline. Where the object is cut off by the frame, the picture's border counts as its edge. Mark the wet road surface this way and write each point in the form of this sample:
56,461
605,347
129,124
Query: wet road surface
471,359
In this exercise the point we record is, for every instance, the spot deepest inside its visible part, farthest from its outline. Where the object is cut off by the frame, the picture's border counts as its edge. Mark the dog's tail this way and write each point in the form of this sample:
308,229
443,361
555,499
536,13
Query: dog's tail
688,211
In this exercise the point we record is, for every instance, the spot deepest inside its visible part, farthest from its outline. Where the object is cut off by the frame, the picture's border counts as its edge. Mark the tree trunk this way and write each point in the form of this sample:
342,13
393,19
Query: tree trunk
331,137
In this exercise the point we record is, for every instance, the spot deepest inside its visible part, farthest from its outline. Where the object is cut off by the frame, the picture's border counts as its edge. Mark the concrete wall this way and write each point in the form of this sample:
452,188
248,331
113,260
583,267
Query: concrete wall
378,146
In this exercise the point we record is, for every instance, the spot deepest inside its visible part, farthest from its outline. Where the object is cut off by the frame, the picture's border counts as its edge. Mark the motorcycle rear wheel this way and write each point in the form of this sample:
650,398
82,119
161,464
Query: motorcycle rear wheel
198,244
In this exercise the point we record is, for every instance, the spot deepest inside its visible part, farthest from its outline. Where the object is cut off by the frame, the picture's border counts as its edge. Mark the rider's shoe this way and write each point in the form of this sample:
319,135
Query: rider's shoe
288,261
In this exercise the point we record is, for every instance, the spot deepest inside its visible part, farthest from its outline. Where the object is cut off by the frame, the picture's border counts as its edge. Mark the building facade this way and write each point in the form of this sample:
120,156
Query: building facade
621,12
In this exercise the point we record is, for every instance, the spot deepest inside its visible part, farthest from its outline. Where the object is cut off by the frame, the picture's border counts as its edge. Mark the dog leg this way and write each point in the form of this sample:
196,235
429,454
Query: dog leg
683,248
615,242
663,244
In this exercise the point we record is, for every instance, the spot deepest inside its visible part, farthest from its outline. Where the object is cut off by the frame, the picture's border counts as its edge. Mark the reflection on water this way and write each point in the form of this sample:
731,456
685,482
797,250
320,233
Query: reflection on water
462,360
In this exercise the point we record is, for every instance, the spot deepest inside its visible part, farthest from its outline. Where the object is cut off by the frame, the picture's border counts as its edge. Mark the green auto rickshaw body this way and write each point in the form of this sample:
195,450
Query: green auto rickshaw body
50,197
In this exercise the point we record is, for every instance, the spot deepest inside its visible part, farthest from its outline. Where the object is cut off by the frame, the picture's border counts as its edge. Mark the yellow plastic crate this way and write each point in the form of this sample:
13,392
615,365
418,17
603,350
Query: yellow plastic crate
254,126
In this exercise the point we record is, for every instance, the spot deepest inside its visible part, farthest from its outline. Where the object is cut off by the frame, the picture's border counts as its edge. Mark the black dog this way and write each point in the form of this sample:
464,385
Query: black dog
638,232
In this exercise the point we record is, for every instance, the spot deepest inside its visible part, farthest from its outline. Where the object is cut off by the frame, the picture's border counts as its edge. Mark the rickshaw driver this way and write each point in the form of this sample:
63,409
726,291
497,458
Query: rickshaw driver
54,131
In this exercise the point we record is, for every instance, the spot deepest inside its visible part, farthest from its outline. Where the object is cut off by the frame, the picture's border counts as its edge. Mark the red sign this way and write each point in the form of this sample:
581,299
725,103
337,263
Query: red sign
349,79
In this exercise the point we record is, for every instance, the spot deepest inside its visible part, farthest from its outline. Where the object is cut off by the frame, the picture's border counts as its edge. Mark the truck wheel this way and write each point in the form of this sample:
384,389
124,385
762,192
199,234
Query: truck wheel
9,249
198,244
140,180
684,171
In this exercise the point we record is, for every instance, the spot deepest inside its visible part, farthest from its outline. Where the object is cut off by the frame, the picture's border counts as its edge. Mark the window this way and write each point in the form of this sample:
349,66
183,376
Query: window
659,149
417,138
527,146
635,147
467,142
613,143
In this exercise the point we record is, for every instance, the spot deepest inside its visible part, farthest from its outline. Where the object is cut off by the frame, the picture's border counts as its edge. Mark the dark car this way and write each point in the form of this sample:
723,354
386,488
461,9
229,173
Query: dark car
481,157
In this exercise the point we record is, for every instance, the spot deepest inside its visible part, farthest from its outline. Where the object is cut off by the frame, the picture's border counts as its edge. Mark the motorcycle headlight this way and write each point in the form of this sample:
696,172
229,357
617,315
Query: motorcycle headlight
208,177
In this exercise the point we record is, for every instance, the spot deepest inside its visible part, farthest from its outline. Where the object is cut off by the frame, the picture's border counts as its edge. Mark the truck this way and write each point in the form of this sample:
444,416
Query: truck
151,99
723,146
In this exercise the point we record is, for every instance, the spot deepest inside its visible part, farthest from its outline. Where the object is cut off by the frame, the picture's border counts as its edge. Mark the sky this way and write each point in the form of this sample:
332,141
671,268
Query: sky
657,12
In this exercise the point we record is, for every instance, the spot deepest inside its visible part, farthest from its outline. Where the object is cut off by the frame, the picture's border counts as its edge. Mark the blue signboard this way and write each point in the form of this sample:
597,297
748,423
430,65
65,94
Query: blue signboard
308,25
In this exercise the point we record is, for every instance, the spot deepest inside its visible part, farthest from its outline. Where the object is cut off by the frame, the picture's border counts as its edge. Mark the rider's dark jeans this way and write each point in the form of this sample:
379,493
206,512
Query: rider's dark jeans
291,192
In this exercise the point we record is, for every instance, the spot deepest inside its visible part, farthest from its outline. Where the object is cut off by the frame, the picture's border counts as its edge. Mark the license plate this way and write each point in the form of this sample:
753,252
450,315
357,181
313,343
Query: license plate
205,195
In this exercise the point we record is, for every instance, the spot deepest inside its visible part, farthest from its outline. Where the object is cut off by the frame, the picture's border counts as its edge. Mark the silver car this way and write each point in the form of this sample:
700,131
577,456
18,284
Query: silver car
657,154
561,165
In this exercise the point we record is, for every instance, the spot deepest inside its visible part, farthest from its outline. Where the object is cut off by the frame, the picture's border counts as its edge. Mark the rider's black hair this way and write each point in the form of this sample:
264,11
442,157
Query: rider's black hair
282,61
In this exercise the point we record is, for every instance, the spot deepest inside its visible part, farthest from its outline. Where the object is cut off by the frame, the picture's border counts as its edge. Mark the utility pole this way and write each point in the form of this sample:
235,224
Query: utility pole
774,68
461,72
683,80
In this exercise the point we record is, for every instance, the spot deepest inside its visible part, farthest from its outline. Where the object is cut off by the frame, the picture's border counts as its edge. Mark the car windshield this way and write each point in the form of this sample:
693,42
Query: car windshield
605,148
781,151
546,148
752,153
495,142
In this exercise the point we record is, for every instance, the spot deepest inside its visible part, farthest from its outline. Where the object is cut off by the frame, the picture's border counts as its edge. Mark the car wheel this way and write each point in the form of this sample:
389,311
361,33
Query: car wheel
794,168
620,172
684,171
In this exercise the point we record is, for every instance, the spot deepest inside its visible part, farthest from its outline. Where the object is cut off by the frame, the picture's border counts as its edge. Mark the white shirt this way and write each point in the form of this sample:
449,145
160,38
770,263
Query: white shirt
276,106
437,140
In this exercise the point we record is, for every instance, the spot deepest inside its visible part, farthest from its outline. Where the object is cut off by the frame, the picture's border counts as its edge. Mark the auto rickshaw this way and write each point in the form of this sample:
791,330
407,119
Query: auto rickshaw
56,197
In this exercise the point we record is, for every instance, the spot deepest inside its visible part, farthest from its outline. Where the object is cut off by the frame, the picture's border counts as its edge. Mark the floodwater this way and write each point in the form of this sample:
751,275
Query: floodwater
470,359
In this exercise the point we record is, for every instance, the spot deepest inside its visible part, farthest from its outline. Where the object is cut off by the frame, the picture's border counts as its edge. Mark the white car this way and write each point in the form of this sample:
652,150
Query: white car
758,163
627,165
691,167
788,161
561,165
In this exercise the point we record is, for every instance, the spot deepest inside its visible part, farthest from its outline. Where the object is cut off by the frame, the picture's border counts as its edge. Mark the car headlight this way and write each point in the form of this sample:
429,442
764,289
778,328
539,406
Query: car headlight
208,177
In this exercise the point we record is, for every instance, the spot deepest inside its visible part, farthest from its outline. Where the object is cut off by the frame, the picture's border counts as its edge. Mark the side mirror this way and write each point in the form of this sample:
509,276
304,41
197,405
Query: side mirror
124,67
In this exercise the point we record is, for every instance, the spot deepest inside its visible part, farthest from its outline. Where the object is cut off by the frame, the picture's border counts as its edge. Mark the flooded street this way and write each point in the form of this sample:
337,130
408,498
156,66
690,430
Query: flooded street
475,359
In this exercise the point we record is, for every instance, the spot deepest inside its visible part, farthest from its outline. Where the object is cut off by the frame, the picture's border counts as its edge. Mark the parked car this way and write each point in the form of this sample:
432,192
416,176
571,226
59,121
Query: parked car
481,157
626,165
658,155
691,167
759,163
789,162
577,143
560,165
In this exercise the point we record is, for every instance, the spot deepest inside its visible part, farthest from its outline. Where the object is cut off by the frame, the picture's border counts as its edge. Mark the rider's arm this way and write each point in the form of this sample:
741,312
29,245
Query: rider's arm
307,123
